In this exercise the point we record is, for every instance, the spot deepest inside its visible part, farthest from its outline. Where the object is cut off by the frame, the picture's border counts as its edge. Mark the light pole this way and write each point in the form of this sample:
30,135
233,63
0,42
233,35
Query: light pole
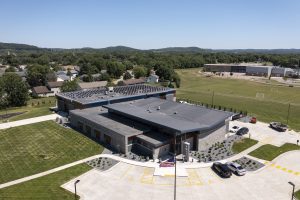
175,168
288,115
77,181
292,184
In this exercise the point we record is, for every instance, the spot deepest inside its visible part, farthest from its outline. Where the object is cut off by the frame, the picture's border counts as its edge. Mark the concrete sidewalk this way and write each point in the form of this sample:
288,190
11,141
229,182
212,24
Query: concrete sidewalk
28,121
28,178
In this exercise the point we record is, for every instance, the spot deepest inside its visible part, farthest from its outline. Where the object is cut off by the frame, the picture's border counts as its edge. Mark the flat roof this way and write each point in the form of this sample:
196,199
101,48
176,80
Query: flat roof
154,138
173,117
119,92
99,115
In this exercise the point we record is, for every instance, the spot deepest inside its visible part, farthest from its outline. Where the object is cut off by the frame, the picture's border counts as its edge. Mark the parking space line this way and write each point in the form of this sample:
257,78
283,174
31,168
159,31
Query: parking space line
147,177
282,168
194,178
126,172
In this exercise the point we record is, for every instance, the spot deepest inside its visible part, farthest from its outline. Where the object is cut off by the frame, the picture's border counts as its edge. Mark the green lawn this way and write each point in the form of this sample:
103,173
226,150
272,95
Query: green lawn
243,145
297,194
34,108
47,187
30,149
243,95
269,152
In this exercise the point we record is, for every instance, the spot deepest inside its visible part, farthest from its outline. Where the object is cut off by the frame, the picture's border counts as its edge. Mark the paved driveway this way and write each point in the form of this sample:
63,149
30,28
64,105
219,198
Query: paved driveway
262,132
125,181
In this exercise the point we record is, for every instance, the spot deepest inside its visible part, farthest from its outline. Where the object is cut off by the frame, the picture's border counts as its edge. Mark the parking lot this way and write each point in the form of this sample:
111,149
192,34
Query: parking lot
135,182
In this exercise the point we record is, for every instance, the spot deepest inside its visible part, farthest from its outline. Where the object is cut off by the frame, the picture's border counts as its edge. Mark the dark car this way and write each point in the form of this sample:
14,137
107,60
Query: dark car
278,126
242,131
222,169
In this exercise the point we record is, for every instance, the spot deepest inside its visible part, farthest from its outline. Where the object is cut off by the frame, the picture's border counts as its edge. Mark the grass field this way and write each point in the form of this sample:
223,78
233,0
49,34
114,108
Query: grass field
269,152
243,145
34,108
47,187
30,149
297,194
243,95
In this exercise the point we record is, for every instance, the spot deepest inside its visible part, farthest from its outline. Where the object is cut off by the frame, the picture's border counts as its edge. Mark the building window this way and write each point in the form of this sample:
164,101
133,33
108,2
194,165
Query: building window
88,130
97,134
80,126
107,139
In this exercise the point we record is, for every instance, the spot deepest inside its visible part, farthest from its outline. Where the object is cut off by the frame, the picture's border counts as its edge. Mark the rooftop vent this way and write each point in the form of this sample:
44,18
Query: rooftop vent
158,108
175,112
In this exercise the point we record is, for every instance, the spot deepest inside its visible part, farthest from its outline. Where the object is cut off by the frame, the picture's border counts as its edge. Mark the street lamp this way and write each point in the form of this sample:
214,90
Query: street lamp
77,181
292,184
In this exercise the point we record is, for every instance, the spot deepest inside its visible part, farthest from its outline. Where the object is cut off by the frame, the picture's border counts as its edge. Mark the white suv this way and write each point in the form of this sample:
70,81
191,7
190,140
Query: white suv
236,168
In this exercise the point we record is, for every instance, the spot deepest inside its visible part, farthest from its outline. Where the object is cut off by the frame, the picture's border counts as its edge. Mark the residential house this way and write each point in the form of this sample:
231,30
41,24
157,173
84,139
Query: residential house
54,86
92,85
42,91
134,81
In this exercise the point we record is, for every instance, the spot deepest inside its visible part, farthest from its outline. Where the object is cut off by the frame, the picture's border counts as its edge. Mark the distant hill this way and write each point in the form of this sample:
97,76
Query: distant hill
180,49
4,47
17,47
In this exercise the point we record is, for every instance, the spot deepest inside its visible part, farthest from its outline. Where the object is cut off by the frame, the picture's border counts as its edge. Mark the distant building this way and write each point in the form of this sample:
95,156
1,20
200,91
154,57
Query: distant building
54,86
153,78
249,69
92,85
42,91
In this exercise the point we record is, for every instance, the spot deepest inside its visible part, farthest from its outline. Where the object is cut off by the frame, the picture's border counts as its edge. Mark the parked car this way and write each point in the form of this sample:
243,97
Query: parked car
278,126
221,169
242,131
236,168
234,129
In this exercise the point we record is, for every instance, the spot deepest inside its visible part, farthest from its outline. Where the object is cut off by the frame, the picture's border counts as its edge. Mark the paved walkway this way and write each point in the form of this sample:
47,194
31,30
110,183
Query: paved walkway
28,178
28,121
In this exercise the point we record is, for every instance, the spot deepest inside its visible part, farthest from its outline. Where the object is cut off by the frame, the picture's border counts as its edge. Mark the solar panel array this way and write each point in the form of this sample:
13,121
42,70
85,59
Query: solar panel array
103,93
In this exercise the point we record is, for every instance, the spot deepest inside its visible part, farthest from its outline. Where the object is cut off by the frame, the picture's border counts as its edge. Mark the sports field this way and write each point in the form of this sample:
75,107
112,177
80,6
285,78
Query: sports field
268,102
30,149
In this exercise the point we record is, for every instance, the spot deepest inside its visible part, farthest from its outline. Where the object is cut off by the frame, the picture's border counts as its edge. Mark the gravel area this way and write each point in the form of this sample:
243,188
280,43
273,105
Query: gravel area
249,164
102,164
218,151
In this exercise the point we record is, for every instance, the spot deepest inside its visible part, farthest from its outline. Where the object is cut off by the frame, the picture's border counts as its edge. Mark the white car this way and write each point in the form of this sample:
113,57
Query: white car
234,129
236,168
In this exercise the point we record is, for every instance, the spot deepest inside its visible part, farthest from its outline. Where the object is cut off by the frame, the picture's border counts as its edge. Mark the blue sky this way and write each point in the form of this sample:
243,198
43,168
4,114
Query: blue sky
149,24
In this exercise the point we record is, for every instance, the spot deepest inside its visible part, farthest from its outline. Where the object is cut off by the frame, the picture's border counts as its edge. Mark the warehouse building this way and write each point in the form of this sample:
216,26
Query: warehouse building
249,69
152,125
108,95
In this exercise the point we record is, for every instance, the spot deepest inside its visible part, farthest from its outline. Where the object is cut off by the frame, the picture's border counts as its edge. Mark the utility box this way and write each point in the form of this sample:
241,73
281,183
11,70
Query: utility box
186,151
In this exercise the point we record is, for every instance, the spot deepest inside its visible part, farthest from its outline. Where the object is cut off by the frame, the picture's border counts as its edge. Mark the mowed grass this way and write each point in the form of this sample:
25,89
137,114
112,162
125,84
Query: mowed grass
34,108
47,187
297,194
30,149
269,152
242,145
268,102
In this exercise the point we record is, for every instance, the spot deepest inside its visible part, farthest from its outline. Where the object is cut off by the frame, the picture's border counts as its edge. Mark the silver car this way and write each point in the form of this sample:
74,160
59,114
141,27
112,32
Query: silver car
236,168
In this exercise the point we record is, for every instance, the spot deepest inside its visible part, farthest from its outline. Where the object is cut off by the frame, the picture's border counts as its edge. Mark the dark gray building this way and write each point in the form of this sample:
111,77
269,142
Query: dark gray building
109,95
152,125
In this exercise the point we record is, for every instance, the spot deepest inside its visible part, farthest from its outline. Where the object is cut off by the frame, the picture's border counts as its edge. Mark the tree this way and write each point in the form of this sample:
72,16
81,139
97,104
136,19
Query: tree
164,72
15,89
127,76
105,77
69,86
115,69
10,69
177,80
139,72
37,75
3,95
